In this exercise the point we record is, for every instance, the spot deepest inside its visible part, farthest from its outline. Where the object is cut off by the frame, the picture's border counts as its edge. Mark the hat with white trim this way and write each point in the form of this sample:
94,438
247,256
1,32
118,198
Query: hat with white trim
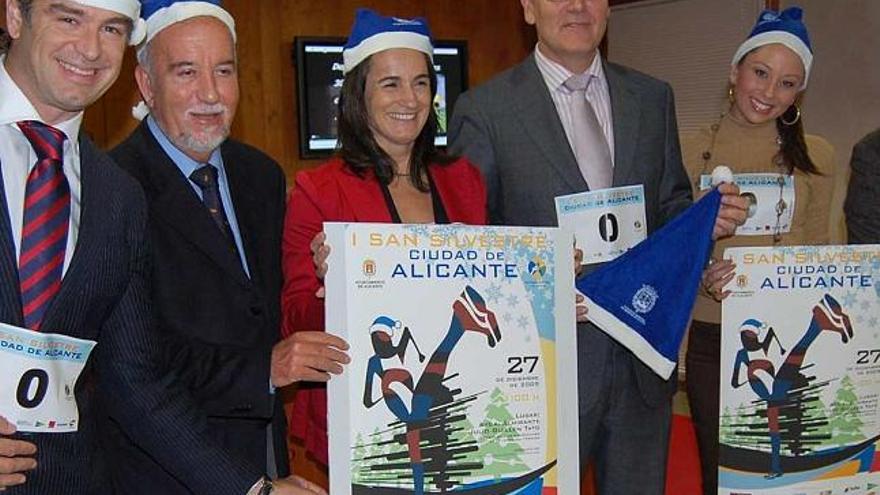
160,14
373,33
128,8
786,28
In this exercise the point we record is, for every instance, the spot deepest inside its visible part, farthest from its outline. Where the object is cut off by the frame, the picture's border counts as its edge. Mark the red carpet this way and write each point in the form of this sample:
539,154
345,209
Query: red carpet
683,470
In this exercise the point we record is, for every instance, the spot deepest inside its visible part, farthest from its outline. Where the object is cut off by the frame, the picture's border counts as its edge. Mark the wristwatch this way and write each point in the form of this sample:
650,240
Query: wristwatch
263,486
267,487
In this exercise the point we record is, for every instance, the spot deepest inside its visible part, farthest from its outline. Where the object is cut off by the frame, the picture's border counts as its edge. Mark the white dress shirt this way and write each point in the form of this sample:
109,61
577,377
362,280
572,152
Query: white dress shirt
18,158
597,94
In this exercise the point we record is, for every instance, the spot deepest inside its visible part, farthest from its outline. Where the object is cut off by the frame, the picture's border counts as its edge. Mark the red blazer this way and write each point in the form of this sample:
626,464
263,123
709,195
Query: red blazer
333,193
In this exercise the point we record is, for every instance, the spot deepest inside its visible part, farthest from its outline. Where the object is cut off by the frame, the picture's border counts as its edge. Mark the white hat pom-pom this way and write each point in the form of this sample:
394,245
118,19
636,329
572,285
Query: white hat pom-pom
721,174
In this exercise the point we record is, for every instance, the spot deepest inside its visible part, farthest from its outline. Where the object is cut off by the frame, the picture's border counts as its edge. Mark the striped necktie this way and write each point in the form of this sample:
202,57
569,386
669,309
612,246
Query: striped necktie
46,222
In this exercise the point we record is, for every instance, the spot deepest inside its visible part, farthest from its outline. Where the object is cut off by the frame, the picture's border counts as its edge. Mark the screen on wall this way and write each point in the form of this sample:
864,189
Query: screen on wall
319,81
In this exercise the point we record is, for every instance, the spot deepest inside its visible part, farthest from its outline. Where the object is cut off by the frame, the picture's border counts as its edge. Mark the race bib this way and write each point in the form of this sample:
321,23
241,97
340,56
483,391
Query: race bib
39,377
605,223
771,202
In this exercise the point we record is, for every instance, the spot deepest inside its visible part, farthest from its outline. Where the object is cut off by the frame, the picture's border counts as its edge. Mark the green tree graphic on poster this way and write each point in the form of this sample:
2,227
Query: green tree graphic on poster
500,447
845,423
726,428
463,434
745,429
816,429
357,459
399,453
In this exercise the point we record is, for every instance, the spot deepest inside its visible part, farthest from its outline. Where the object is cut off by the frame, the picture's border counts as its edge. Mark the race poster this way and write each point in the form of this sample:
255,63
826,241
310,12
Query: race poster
800,372
463,367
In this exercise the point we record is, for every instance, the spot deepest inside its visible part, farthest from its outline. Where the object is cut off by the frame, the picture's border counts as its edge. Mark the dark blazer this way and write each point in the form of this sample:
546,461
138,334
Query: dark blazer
333,193
217,326
863,195
509,128
101,298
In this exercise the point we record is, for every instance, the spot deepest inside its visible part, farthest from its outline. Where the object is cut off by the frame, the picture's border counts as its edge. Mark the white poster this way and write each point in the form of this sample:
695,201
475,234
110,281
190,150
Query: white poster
463,369
800,372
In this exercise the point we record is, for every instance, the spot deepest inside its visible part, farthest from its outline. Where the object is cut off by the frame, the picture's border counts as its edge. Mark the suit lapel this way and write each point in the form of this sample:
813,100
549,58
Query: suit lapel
540,121
248,207
10,298
625,116
177,204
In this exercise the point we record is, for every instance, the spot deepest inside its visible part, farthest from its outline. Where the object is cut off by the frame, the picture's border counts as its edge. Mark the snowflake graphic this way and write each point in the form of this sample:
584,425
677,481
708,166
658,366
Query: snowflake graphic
512,300
859,318
493,293
865,305
507,317
522,321
849,299
872,322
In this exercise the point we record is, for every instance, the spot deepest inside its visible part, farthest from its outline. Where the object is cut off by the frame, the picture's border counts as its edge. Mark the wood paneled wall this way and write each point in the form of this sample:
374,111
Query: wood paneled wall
496,34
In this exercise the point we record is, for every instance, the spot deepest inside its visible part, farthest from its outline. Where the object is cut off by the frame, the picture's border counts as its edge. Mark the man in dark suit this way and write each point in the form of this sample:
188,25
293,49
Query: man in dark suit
523,129
216,210
83,276
863,194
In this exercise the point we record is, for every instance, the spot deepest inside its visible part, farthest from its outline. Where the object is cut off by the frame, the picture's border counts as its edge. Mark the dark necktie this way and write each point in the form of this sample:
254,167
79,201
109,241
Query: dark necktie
45,225
206,178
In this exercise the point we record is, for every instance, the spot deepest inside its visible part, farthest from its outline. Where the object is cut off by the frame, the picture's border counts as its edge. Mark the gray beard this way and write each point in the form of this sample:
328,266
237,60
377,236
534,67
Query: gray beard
202,146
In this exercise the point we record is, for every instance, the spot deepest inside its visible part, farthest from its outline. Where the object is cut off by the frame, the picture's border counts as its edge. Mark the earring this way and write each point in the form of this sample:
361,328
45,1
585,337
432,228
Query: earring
730,94
796,117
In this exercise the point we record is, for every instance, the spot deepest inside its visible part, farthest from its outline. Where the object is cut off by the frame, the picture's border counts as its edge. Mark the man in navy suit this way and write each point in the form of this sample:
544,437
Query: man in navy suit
216,209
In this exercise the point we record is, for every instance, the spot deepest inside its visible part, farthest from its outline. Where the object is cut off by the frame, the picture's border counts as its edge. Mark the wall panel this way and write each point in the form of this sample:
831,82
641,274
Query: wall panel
497,38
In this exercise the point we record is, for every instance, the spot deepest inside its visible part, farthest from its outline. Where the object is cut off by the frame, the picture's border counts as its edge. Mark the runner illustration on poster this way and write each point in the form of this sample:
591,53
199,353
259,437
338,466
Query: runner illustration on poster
469,315
801,330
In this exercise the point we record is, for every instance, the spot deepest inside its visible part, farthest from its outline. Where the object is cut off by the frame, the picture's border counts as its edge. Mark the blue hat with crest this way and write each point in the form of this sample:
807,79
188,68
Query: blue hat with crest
373,33
786,28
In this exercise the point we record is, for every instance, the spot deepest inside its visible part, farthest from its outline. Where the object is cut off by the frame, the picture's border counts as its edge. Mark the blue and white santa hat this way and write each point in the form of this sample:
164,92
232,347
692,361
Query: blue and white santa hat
786,28
372,33
643,299
128,8
384,324
160,14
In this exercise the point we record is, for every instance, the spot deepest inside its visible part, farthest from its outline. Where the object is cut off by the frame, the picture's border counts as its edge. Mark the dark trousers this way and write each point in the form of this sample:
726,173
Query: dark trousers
626,437
703,376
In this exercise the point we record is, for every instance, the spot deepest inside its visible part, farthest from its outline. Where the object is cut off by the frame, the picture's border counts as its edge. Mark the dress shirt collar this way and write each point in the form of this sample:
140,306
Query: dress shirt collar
186,164
15,107
555,74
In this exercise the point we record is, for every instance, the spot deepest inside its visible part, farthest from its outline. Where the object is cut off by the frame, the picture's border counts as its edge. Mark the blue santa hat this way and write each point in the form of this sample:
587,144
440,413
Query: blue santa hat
384,324
160,14
372,33
644,298
128,8
786,28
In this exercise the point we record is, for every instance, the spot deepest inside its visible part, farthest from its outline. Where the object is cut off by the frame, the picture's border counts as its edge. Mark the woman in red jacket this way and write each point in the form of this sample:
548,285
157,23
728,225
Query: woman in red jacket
387,170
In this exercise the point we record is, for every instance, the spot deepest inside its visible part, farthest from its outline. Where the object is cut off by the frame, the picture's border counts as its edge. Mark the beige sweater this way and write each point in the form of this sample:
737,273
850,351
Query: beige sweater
750,149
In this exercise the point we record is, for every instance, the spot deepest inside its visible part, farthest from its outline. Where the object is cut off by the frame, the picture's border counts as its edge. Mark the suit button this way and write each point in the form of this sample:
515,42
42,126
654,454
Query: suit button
256,310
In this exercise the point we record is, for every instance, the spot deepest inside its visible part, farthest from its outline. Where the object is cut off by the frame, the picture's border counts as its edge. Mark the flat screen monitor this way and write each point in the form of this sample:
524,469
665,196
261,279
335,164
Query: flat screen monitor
318,64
